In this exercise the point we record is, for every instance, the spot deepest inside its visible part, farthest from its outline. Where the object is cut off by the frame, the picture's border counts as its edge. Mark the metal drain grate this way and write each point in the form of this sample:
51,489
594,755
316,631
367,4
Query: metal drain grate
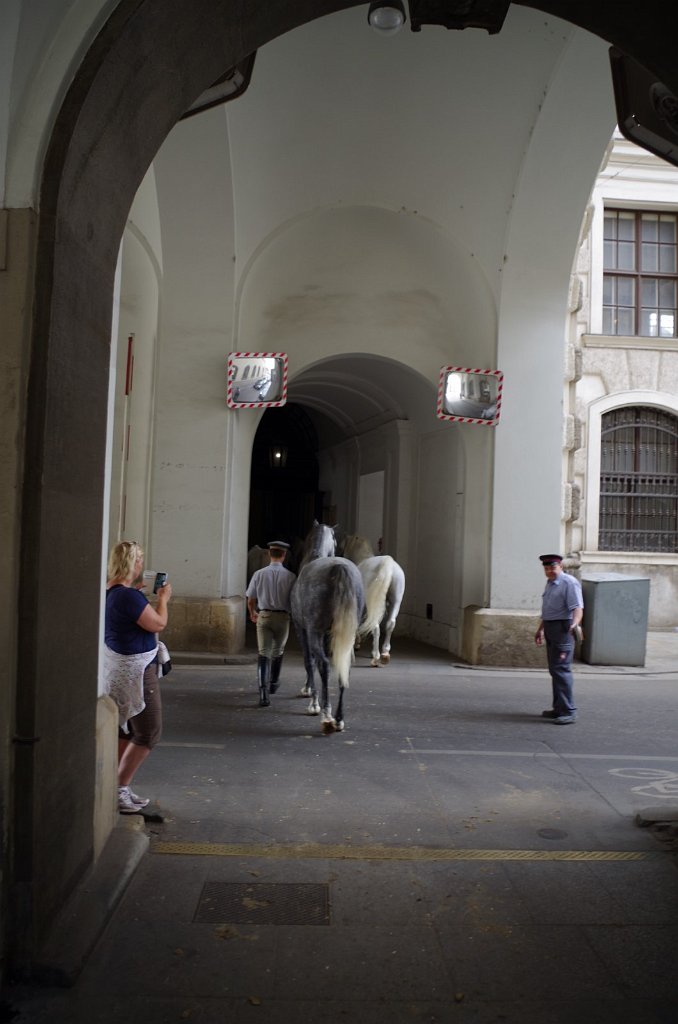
263,903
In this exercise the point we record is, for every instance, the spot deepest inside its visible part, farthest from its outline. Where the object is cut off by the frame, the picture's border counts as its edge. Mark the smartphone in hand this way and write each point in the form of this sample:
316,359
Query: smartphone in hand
160,581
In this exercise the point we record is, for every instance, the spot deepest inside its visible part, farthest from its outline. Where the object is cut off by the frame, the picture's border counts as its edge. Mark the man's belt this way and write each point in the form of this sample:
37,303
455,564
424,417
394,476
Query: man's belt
284,610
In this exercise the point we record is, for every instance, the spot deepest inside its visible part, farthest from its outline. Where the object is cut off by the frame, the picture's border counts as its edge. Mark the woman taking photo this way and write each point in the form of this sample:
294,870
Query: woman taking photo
131,675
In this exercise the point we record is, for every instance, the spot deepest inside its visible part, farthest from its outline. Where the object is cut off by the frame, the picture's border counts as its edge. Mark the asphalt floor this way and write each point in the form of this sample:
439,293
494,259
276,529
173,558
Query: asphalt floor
450,857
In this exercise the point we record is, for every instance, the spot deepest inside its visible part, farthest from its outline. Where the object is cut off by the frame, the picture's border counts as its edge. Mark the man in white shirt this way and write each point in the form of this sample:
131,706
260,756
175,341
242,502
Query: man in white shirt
268,604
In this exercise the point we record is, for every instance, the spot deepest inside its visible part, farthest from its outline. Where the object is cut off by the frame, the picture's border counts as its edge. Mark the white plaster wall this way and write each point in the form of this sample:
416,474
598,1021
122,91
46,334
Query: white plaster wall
133,428
461,95
364,279
371,508
191,460
136,311
434,564
552,191
386,450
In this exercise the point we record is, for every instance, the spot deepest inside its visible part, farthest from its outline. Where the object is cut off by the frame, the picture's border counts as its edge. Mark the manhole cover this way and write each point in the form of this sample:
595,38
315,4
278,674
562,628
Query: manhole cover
263,903
551,833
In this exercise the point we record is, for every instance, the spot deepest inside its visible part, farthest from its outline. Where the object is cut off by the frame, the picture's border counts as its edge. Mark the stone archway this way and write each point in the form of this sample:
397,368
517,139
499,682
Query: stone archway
119,109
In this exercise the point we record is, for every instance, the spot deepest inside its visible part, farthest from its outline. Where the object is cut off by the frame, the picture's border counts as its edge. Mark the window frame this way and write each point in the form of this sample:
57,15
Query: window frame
655,399
637,275
639,495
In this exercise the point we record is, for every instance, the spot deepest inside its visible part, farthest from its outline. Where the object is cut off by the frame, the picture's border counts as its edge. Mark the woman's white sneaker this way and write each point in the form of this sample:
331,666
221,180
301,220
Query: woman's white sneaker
138,800
126,804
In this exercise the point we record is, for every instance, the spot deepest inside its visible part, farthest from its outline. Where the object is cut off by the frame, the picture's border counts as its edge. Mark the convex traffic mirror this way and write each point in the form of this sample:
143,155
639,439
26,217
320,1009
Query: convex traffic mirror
469,395
256,380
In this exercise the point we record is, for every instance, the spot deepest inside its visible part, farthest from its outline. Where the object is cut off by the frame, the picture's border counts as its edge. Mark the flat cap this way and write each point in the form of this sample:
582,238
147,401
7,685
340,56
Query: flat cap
550,559
278,544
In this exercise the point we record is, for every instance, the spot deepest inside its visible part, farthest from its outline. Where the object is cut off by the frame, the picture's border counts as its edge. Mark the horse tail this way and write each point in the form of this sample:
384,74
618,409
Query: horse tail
376,591
346,610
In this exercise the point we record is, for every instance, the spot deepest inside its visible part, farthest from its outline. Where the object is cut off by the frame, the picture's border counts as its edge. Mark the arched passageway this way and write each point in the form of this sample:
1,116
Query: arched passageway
284,495
114,118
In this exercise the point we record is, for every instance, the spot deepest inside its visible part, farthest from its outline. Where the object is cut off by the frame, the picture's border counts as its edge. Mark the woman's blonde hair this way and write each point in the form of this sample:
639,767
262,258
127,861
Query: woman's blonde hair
122,560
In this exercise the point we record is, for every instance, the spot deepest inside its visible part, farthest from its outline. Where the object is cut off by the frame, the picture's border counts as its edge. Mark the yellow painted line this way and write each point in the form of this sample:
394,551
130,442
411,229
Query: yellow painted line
317,851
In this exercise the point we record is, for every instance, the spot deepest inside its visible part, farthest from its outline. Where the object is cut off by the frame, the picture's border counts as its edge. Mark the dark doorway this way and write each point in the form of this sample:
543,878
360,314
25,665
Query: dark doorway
284,495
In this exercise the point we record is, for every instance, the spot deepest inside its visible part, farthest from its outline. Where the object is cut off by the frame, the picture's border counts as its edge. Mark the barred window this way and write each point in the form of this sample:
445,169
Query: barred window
638,480
640,273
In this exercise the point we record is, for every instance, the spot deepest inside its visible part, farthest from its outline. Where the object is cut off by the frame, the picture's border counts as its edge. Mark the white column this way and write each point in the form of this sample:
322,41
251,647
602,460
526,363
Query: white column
568,142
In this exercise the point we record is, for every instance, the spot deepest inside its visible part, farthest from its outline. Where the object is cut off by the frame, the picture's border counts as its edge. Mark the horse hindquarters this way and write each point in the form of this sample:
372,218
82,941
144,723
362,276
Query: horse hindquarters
377,574
327,604
384,582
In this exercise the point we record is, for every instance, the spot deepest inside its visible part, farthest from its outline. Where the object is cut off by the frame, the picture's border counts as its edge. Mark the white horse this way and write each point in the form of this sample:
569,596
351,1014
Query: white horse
384,583
356,548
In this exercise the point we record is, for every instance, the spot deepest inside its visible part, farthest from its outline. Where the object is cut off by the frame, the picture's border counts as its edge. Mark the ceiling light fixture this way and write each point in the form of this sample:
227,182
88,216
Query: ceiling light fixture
459,14
387,16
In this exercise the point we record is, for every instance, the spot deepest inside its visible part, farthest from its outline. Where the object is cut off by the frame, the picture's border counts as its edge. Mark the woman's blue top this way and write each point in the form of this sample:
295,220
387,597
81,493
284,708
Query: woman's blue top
124,605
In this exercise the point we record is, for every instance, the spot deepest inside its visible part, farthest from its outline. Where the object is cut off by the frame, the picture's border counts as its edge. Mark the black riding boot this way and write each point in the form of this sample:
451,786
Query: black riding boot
263,673
276,665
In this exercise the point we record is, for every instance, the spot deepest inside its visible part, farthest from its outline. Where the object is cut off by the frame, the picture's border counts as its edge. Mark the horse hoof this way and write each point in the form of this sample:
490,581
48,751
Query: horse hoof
375,663
385,658
313,709
329,726
304,692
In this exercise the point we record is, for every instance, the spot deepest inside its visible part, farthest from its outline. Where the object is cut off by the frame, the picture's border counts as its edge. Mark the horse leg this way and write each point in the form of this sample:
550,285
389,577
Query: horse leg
386,646
389,626
339,716
307,688
392,608
375,663
313,705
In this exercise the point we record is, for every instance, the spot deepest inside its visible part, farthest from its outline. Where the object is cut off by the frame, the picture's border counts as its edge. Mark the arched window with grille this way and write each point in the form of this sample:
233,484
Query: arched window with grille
638,480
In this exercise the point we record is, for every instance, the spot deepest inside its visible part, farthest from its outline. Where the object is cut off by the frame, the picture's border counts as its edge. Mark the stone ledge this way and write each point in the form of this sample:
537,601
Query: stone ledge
84,917
211,625
501,638
654,815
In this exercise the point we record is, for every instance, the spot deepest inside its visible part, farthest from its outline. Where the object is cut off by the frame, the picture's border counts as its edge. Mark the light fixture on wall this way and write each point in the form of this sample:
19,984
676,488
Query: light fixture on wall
387,16
229,87
277,456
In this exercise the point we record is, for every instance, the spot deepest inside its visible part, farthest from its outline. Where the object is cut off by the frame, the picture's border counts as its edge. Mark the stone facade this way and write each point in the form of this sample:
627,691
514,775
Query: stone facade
615,371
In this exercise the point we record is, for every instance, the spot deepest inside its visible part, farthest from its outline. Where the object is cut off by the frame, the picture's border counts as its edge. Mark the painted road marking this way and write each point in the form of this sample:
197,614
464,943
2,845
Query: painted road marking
537,753
318,851
658,782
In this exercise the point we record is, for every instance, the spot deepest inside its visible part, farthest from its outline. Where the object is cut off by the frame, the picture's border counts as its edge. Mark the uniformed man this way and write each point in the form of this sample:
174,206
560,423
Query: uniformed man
562,610
268,604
